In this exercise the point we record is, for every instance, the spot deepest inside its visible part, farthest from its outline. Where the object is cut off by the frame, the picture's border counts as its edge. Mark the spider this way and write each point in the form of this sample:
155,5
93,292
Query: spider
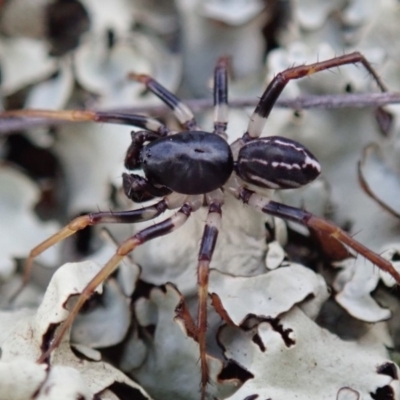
193,169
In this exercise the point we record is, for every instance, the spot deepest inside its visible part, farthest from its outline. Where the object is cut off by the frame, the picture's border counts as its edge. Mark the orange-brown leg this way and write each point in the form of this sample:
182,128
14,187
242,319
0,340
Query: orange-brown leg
139,121
160,229
207,246
276,86
303,217
79,223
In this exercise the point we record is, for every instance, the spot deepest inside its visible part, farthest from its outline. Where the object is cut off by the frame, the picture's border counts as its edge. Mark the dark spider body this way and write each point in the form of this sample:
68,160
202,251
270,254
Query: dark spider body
192,162
197,162
193,168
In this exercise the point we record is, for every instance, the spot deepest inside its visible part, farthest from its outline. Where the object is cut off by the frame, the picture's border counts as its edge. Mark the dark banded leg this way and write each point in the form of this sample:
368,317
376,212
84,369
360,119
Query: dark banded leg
221,96
318,224
181,110
207,246
79,223
160,229
139,121
275,88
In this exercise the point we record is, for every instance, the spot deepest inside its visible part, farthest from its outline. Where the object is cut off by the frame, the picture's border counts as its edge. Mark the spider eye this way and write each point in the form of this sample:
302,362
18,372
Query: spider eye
276,163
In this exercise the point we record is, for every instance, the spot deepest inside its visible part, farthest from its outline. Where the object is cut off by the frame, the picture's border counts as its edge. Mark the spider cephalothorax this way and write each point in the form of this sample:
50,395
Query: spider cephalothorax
192,169
192,162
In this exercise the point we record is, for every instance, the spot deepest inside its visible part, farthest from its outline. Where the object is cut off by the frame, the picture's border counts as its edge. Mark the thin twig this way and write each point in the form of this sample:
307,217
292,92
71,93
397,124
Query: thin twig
359,100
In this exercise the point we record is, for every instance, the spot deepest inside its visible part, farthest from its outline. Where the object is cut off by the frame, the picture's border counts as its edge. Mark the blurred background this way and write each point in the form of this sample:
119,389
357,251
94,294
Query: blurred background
71,54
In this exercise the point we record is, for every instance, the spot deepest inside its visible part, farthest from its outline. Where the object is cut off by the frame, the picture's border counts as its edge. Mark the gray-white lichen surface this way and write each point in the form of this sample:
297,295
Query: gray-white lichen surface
297,324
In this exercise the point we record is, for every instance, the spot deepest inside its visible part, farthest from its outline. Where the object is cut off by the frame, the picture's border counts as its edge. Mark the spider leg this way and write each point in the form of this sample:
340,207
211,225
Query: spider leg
303,217
181,110
276,86
140,121
221,96
207,246
191,203
79,223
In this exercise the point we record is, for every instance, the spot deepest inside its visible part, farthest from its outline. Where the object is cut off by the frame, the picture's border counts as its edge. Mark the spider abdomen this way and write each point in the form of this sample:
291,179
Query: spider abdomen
277,163
192,162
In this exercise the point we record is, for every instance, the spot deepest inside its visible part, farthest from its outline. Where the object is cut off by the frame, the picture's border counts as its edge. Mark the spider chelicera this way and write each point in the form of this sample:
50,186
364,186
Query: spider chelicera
193,169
